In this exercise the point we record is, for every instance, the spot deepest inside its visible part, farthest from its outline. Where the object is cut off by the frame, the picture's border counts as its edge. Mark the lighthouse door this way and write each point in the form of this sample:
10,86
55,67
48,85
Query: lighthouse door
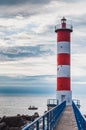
62,98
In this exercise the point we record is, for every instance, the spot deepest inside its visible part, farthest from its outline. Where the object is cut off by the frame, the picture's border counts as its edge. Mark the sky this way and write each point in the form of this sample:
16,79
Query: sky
28,45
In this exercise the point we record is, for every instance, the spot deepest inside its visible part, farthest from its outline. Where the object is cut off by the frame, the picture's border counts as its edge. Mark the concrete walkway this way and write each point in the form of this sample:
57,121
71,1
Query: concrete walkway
67,120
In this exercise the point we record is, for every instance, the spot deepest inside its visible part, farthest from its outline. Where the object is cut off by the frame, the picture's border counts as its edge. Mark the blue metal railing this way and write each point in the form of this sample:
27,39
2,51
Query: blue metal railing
48,121
77,102
81,121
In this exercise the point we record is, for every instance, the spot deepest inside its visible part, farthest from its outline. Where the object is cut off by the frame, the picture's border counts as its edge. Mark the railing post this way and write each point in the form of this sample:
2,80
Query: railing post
50,119
47,121
37,125
43,122
32,128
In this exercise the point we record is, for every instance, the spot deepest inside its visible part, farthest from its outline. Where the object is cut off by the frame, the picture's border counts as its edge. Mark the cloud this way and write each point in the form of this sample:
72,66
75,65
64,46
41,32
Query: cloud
28,8
15,2
43,65
28,41
70,1
26,81
22,7
16,53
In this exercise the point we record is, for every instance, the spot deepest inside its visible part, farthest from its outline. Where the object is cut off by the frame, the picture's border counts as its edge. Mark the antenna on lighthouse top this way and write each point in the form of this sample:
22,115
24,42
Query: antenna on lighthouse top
63,20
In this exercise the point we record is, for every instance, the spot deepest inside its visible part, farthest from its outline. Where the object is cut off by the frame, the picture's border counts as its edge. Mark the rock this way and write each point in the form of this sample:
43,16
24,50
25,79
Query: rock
2,125
18,115
0,119
85,116
36,114
26,117
15,121
6,128
14,128
45,112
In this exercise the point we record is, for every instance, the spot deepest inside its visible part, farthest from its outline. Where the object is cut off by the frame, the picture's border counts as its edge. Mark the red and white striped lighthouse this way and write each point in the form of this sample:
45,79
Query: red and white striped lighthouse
64,92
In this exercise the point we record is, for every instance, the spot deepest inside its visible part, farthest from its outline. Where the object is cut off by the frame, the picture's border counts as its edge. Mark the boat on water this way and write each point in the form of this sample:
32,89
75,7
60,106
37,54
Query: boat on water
32,108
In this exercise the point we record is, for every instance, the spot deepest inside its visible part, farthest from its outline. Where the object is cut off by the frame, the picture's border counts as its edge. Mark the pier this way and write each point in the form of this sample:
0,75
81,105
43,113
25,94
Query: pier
67,120
61,117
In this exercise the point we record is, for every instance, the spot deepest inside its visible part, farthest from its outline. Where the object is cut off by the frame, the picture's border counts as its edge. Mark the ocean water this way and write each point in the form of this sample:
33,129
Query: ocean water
13,105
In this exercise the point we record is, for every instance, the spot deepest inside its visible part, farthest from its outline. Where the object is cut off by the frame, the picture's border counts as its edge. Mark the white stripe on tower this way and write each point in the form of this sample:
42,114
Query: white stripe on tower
63,71
63,62
63,47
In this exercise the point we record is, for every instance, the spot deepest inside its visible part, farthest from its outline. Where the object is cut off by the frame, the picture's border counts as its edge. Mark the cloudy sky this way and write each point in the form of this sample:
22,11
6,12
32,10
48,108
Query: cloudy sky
28,44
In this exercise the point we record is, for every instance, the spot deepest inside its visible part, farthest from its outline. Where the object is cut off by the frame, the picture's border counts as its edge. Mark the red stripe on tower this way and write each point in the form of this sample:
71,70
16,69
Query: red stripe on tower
63,62
63,83
63,36
63,59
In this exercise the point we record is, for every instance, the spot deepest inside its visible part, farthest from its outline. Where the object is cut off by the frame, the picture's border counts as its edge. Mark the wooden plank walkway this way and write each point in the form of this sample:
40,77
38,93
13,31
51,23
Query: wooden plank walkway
67,120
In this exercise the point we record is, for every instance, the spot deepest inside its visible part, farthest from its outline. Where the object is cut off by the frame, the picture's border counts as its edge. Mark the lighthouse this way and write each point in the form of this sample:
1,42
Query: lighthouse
63,88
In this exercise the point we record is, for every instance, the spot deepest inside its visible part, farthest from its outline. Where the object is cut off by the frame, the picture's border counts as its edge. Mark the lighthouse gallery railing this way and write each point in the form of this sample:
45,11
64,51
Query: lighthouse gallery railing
59,26
48,121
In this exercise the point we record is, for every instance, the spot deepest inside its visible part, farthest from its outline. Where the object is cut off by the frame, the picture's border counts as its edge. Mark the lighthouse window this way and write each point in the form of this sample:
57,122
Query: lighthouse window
63,98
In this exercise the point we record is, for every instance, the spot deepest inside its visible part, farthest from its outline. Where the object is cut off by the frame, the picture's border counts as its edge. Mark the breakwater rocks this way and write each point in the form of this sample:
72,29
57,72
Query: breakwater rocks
16,122
85,115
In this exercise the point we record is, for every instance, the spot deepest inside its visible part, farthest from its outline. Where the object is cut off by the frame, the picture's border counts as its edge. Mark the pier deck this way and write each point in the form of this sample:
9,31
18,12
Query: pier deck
67,120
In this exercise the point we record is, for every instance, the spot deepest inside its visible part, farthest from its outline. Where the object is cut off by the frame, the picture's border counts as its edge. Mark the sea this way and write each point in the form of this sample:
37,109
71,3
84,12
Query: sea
11,105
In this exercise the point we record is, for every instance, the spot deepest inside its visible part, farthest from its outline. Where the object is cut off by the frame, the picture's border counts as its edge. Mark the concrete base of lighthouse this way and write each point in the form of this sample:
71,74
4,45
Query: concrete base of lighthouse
64,96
